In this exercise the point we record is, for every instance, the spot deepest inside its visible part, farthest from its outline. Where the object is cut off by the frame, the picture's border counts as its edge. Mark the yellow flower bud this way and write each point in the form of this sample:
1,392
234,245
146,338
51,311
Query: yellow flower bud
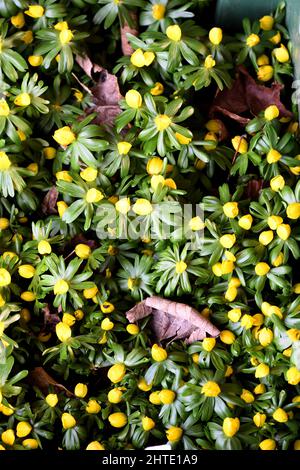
143,385
228,240
265,337
158,11
273,156
80,390
277,183
266,237
117,420
30,444
266,23
293,376
154,166
293,334
147,423
61,207
215,36
68,421
162,122
51,400
8,437
35,11
208,344
142,207
293,210
123,147
182,139
23,429
26,270
28,296
234,314
82,251
253,40
133,99
90,293
35,60
4,110
89,174
280,415
157,90
49,153
246,221
265,73
211,389
267,444
132,329
93,407
154,398
297,444
123,205
167,396
22,100
281,54
93,195
231,209
240,144
107,307
274,221
284,231
227,337
18,21
231,426
61,287
64,136
4,223
158,354
65,36
247,396
247,321
263,60
261,269
116,373
272,112
262,370
107,325
5,278
260,389
209,62
181,267
95,445
27,38
115,395
174,433
196,224
174,32
63,332
259,419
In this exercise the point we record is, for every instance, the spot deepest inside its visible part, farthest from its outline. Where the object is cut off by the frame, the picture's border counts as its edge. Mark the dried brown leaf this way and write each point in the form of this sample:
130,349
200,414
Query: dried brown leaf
49,201
126,47
38,377
173,320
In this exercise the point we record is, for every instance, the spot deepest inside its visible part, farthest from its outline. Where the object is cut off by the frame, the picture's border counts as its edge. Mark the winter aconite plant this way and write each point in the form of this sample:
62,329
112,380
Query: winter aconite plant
149,228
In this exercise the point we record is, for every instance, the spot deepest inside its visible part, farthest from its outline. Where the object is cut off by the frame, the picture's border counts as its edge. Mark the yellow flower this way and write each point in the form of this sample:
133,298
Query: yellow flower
182,139
272,112
231,209
28,296
265,336
107,307
174,32
30,443
61,287
227,266
293,210
276,38
89,174
35,11
61,207
217,269
259,419
27,38
280,415
51,399
26,270
162,122
247,321
274,221
18,21
95,445
93,195
68,421
167,396
61,26
143,385
297,444
5,278
208,344
8,437
142,207
90,292
267,444
263,60
240,144
281,54
157,90
49,153
35,60
278,261
181,267
277,183
23,99
4,109
154,398
231,294
246,221
133,99
196,224
261,269
123,205
247,396
234,314
82,251
64,136
158,11
266,23
215,36
262,370
266,237
93,407
228,240
23,429
132,329
154,166
158,354
123,147
284,231
117,420
209,62
273,156
4,223
227,337
65,36
174,433
115,395
116,373
107,325
293,376
147,423
211,389
229,371
259,389
80,390
63,332
253,40
265,73
231,426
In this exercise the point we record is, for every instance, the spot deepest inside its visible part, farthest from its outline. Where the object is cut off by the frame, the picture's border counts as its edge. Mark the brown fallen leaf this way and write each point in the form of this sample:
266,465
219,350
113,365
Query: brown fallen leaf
105,92
49,201
38,377
173,320
246,99
126,47
253,189
50,320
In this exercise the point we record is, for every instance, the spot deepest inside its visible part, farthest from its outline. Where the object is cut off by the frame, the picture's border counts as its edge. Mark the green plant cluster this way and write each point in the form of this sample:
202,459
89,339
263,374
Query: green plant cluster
68,275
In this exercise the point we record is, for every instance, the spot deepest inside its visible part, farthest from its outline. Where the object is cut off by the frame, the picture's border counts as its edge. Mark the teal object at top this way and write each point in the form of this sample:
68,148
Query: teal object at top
230,13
